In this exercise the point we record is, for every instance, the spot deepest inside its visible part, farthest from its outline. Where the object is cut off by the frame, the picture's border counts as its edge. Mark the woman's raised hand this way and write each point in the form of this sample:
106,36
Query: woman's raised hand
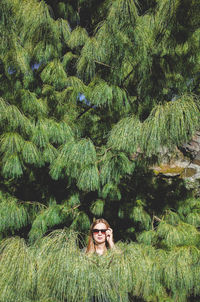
109,237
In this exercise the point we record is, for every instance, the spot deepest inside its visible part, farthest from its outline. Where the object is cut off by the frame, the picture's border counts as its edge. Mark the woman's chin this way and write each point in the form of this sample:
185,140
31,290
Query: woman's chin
98,241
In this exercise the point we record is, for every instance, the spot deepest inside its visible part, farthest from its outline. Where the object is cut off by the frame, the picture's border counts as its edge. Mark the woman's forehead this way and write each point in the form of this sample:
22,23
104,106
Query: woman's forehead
100,225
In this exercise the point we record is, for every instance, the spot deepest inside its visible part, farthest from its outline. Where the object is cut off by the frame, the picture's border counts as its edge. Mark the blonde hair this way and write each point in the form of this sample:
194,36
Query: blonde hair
91,246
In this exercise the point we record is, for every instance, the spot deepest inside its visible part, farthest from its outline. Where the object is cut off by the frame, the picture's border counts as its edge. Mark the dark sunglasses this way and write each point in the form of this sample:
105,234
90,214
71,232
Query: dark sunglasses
103,231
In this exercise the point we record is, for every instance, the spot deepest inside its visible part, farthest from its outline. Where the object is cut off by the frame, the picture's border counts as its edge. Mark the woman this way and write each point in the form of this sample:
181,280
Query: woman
100,237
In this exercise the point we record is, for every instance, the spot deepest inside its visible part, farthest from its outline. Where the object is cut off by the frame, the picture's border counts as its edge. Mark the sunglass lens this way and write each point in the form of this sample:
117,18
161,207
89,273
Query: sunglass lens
97,231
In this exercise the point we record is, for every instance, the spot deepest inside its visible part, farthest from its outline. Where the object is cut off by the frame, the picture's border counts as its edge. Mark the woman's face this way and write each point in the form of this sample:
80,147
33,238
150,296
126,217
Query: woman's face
99,233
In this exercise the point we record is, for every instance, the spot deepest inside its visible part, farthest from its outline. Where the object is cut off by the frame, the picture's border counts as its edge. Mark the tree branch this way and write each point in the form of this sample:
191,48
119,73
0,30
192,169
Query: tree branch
155,218
100,63
86,110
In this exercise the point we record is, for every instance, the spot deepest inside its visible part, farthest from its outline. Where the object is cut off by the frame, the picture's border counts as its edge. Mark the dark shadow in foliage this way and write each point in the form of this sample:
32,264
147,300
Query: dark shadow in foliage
156,192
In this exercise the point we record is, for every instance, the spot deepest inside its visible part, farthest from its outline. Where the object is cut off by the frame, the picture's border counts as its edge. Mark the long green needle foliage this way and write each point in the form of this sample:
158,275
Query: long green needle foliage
93,94
55,269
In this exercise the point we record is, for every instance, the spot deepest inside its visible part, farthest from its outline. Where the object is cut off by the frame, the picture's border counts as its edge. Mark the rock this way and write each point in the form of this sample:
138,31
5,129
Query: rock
192,149
185,165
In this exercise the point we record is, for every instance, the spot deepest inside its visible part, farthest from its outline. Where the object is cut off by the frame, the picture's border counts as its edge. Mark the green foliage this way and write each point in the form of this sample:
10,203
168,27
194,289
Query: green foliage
139,215
12,166
18,277
66,273
126,135
81,221
114,166
13,215
97,207
167,125
89,178
54,74
50,153
93,93
33,106
78,37
64,29
45,220
189,211
15,120
171,124
11,143
111,191
147,237
182,234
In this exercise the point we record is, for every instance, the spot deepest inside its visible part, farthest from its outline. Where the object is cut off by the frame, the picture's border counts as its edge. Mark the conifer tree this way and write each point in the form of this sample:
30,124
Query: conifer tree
91,93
